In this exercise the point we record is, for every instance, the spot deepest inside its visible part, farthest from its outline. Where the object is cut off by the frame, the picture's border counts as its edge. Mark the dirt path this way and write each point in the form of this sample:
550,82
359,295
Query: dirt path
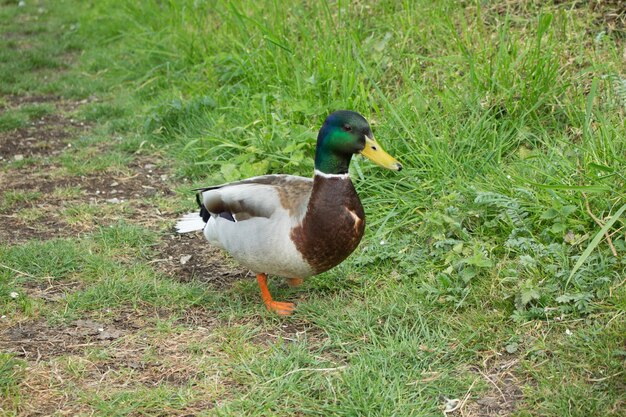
43,191
43,199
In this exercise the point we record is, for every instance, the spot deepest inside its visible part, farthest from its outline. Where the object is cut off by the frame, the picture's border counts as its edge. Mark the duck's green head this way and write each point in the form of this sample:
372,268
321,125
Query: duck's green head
344,134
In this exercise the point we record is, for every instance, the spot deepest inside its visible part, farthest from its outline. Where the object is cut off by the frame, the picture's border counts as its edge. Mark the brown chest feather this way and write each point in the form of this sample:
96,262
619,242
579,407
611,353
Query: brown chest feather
333,226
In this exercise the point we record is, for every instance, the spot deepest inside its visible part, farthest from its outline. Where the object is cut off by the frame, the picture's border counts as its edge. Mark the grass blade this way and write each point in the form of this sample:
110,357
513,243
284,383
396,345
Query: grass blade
594,243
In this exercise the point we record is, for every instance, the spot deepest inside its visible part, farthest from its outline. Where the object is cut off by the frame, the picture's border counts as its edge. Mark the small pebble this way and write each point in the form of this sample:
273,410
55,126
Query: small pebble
13,294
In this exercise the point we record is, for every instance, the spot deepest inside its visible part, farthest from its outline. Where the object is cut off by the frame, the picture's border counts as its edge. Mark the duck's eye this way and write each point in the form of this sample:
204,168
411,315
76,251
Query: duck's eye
347,128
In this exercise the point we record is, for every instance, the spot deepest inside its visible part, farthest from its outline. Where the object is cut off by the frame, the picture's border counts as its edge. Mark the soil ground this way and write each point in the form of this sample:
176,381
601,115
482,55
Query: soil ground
31,156
167,325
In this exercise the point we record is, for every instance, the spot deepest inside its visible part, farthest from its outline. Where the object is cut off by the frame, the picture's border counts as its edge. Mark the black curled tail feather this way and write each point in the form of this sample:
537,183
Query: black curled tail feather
204,213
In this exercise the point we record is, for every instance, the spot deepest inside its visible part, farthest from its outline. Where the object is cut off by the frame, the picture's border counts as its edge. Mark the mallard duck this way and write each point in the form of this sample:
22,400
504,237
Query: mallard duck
292,226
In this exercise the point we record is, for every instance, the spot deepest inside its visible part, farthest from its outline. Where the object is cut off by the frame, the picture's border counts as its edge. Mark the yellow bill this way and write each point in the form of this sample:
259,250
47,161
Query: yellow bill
376,154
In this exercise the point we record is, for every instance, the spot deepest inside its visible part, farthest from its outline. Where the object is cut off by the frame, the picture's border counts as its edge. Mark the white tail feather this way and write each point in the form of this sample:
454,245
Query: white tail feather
190,222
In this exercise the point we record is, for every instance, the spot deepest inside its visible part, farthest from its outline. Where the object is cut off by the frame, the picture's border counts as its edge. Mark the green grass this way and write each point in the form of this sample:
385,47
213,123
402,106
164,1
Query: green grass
480,257
10,121
15,197
86,161
10,375
13,119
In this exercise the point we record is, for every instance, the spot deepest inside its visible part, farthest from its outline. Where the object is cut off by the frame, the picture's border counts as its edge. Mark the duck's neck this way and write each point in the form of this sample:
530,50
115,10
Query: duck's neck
322,174
329,162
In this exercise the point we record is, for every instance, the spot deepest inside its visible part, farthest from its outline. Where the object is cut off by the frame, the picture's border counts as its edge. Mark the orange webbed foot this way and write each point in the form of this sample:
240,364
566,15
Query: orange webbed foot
279,307
294,282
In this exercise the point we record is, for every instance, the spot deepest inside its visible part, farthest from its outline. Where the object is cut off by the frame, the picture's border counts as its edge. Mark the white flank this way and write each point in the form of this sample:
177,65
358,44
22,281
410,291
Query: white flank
190,222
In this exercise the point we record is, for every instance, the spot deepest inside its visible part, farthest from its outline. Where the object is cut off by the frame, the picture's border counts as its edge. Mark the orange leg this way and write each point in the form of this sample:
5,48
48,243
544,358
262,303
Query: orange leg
294,282
284,309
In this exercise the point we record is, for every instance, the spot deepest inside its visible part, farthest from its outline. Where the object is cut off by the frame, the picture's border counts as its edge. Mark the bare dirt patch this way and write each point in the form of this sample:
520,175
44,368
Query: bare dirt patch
45,136
95,186
189,258
133,361
106,192
104,351
15,230
17,101
50,290
41,186
291,331
505,389
38,340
